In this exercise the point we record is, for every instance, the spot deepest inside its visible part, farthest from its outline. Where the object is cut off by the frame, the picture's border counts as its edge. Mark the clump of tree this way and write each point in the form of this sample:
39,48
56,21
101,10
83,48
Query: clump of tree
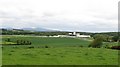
31,47
105,37
46,46
23,42
115,38
108,38
115,47
107,46
17,42
81,46
97,42
8,40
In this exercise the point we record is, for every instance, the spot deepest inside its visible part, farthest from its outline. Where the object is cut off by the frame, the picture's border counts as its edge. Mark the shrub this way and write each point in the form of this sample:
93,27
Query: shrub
47,54
97,42
9,54
12,51
106,46
89,45
2,47
46,47
23,42
115,38
8,40
80,46
31,47
115,47
86,54
18,42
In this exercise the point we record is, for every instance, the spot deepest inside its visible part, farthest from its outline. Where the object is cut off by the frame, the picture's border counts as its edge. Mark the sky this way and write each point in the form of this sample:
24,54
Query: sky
63,15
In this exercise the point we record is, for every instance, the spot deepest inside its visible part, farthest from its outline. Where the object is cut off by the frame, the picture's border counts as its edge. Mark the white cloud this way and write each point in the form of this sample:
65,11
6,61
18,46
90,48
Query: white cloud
75,15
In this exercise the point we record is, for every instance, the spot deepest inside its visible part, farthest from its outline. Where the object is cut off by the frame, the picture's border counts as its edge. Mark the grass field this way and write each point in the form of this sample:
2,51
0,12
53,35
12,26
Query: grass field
50,41
61,51
58,56
0,55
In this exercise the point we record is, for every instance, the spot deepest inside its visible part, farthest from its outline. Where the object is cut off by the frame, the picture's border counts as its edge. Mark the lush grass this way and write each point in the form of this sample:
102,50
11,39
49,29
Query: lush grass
59,55
111,43
0,55
60,51
51,41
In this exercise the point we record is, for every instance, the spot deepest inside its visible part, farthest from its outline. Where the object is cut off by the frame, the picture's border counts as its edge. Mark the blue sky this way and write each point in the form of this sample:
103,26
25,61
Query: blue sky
66,15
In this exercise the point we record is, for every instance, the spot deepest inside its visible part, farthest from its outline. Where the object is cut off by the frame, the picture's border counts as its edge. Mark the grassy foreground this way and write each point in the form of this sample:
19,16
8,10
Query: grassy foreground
59,56
60,51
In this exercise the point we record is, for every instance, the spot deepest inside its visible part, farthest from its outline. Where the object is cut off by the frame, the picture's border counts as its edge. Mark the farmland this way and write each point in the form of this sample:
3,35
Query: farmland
59,56
59,51
49,41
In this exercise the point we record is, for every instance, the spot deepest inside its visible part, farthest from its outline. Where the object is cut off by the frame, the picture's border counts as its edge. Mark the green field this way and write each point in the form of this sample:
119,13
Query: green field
50,41
60,51
59,56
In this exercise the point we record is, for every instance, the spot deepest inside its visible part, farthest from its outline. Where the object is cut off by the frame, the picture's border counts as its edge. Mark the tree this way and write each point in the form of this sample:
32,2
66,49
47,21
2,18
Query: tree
98,36
8,40
18,42
105,37
97,42
115,38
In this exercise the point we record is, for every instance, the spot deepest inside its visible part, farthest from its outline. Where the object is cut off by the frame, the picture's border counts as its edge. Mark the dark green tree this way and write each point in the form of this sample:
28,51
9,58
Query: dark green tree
8,40
115,38
97,42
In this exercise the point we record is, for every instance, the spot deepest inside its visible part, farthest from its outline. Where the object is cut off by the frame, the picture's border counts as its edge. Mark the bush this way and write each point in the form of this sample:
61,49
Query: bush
47,54
23,42
8,40
9,54
115,47
46,47
86,54
106,46
115,38
31,47
81,46
89,45
106,38
97,42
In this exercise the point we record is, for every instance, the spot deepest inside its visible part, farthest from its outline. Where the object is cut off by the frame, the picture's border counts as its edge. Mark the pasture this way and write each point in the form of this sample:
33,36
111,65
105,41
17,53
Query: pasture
60,51
59,56
49,41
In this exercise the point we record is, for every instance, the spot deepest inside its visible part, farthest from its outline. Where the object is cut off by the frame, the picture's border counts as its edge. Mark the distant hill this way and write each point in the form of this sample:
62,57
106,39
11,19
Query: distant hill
44,31
38,29
35,29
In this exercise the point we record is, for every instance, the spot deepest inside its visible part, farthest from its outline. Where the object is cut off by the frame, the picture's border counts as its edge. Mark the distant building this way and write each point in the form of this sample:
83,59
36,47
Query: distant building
73,35
84,36
62,35
78,35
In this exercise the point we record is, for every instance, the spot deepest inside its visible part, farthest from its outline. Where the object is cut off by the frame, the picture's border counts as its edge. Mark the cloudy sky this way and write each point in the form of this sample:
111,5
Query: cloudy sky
66,15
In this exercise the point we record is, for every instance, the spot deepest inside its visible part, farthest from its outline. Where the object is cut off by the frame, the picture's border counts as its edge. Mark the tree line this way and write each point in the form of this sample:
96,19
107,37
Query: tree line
19,42
99,39
25,32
